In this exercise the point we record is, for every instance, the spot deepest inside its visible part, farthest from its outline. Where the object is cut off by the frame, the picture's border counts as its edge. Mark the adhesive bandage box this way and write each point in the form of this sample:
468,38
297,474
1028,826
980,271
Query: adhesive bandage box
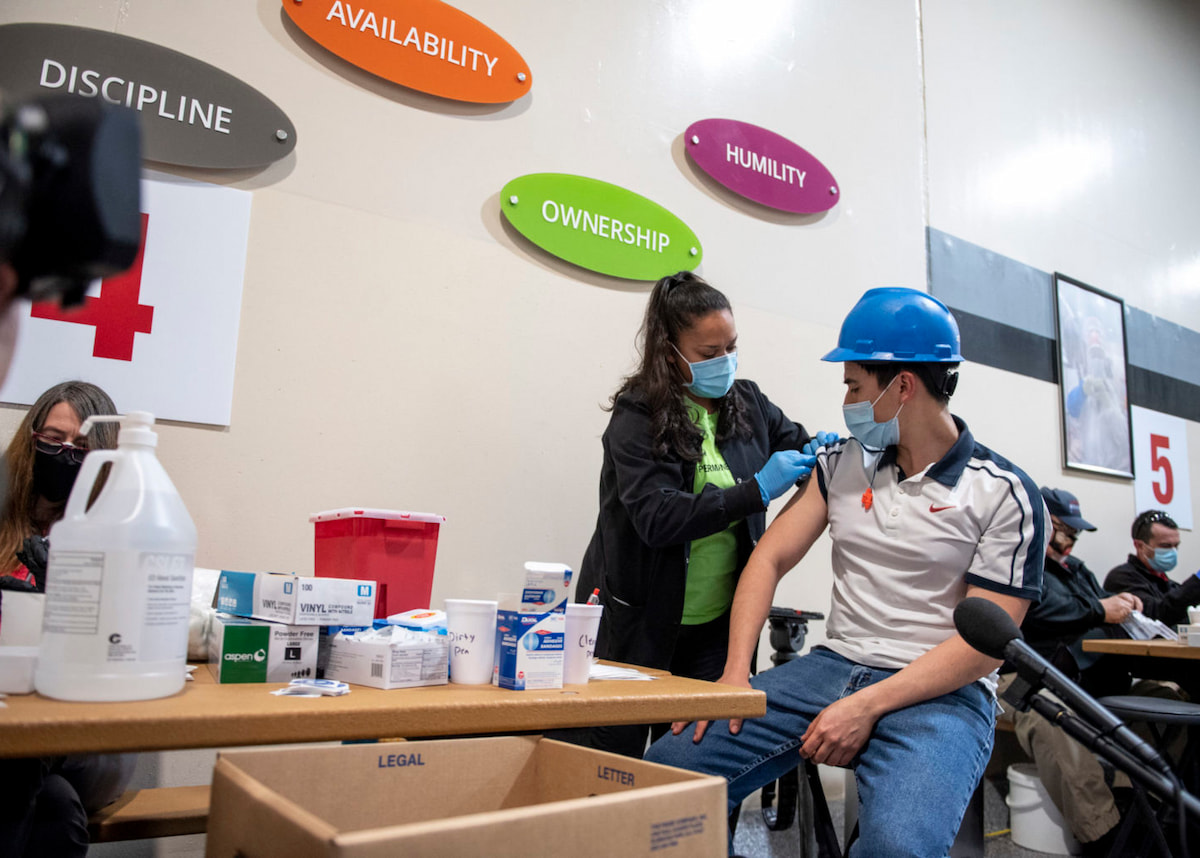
299,601
530,649
242,650
547,587
389,658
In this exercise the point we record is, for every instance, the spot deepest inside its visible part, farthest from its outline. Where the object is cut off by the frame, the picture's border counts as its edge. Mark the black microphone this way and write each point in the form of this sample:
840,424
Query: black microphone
989,629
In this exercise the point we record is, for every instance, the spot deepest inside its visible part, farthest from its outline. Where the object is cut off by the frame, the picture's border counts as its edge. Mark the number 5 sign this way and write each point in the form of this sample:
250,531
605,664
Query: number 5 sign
1161,464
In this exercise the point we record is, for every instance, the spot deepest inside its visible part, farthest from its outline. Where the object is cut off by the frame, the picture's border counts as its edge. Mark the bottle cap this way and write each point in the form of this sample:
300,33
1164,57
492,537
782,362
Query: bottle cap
135,427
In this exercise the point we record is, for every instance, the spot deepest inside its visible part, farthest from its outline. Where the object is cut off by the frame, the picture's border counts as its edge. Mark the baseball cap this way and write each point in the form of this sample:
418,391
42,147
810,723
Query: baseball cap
1065,506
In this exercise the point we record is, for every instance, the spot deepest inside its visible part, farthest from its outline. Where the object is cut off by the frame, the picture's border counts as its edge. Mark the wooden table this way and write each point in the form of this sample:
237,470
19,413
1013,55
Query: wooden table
1158,648
208,715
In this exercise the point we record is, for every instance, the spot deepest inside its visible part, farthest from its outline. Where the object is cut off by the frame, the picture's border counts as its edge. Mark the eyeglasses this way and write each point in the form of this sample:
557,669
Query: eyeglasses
53,447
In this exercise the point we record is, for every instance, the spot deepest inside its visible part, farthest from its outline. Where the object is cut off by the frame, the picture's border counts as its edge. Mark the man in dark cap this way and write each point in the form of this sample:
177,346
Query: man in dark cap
1072,606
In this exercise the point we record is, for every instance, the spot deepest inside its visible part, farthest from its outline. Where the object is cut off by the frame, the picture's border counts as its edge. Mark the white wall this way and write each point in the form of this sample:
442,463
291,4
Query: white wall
1062,135
401,348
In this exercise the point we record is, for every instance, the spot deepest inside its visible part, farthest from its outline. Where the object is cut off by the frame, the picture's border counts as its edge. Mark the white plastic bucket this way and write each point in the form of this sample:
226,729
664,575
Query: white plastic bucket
1035,821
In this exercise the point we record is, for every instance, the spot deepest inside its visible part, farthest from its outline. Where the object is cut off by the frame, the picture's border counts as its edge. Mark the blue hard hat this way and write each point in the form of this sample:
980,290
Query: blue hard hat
898,324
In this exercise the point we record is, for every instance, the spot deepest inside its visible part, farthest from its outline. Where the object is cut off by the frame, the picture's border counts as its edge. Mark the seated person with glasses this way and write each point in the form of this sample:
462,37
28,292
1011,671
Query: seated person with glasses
1145,572
1072,607
45,802
43,460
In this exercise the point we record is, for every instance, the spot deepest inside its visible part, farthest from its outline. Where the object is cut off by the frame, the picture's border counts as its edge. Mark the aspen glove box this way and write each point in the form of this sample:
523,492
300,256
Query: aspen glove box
242,650
506,797
296,600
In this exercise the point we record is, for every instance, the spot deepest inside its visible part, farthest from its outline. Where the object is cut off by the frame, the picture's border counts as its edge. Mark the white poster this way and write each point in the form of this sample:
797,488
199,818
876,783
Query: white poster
1161,459
161,337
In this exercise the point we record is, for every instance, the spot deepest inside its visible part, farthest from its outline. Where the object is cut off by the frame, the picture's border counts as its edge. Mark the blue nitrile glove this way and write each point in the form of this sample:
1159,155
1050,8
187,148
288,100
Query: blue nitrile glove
822,439
781,471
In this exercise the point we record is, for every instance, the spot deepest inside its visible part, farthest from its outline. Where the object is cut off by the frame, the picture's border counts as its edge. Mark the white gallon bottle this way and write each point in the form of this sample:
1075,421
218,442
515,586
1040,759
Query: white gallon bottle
119,578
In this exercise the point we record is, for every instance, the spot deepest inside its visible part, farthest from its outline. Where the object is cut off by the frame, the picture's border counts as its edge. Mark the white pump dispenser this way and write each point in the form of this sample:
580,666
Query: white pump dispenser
119,578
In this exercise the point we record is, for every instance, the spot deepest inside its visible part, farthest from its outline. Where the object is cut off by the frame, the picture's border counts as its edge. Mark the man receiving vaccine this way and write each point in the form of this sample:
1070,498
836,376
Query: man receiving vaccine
921,516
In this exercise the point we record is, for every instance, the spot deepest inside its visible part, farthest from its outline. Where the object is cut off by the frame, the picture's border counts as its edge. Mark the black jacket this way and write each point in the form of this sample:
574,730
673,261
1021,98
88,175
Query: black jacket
1162,598
1068,607
638,555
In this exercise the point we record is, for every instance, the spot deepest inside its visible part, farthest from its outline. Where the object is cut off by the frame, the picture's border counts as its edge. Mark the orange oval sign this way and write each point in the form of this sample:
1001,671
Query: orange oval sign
423,44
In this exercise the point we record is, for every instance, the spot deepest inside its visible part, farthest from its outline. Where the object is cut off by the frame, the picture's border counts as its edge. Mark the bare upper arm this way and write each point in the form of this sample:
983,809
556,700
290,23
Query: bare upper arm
795,529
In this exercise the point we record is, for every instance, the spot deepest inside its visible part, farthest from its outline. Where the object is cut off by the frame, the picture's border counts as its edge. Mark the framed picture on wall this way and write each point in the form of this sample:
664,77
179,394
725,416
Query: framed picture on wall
1091,376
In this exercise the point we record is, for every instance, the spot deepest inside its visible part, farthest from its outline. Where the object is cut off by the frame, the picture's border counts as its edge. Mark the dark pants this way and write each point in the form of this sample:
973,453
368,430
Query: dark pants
40,812
699,654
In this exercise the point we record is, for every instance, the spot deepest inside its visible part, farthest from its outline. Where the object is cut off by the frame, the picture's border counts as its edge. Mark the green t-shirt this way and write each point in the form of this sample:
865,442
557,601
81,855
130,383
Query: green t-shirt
713,559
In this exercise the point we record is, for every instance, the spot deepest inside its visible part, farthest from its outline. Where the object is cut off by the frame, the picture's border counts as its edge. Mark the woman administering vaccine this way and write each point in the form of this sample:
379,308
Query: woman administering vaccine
692,458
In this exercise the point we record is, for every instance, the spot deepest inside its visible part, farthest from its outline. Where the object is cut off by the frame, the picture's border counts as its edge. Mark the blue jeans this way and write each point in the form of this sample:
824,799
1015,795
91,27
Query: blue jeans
915,775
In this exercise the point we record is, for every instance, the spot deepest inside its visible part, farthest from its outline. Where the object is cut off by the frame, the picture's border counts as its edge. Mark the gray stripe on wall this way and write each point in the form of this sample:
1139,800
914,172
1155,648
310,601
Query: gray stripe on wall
1162,347
989,285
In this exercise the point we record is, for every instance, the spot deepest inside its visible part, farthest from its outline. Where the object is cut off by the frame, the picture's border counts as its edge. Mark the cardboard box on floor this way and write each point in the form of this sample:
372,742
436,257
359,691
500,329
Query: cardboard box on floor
507,796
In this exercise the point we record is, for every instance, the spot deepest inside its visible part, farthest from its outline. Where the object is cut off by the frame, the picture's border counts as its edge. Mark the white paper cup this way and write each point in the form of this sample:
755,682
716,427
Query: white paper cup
471,626
1194,616
583,621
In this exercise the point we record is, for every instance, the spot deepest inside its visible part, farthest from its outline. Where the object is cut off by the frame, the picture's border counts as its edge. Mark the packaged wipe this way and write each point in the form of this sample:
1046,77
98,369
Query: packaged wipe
547,586
299,601
422,619
389,657
242,650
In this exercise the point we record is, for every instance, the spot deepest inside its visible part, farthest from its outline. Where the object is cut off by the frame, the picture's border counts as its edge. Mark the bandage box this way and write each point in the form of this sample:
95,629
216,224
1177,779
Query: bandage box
395,548
547,587
243,650
530,649
505,797
291,599
369,658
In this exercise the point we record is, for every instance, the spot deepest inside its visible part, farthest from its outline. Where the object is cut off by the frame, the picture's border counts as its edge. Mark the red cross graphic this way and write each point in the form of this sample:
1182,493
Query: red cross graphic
116,313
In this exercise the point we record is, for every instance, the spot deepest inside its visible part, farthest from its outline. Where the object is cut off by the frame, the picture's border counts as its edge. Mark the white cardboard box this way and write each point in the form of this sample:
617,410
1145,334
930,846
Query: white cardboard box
295,600
507,797
383,664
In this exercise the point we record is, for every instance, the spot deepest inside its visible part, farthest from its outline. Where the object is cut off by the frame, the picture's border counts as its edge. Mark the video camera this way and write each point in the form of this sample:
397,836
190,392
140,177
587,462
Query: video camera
70,194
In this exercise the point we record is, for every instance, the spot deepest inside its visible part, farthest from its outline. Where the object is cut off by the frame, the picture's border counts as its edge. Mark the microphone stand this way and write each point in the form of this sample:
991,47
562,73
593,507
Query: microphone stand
1024,696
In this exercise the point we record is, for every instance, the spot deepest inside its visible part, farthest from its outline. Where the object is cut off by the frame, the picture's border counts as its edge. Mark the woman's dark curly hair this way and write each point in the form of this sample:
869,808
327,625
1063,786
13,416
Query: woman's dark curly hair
676,302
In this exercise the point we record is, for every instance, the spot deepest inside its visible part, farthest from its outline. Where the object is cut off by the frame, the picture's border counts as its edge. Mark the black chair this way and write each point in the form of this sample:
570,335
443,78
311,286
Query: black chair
1160,715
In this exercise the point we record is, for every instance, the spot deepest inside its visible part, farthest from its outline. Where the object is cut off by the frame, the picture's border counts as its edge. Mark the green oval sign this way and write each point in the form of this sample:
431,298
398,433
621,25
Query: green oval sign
599,226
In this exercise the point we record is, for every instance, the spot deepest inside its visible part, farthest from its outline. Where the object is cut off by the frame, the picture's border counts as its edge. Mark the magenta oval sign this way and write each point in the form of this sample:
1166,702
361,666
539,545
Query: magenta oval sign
761,165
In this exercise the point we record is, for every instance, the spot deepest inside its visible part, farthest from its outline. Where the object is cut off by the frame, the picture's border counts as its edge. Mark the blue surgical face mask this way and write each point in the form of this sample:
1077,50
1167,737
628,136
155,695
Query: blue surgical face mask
1164,559
860,420
711,379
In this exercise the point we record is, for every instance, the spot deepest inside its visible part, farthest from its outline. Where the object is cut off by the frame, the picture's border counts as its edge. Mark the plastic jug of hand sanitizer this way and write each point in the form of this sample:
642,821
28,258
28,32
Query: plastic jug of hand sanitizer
119,578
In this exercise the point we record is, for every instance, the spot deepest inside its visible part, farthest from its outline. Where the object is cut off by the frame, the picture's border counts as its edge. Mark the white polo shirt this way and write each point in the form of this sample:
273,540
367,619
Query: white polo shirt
904,555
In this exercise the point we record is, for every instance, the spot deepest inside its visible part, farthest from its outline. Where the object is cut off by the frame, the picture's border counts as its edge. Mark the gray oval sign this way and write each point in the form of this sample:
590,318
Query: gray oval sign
192,114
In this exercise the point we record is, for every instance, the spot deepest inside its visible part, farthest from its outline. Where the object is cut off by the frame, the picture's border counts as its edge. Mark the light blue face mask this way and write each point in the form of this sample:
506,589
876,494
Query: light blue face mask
860,420
711,379
1164,559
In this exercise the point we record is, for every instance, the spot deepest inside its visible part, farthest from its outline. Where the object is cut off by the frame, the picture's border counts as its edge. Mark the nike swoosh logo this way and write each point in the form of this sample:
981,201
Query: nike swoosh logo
933,508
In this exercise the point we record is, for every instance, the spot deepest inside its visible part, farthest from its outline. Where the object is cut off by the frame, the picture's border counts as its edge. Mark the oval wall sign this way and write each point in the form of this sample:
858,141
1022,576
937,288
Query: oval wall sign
599,226
761,165
422,44
191,113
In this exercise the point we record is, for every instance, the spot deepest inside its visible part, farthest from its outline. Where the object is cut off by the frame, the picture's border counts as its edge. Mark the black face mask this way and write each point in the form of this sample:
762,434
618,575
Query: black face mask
54,475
